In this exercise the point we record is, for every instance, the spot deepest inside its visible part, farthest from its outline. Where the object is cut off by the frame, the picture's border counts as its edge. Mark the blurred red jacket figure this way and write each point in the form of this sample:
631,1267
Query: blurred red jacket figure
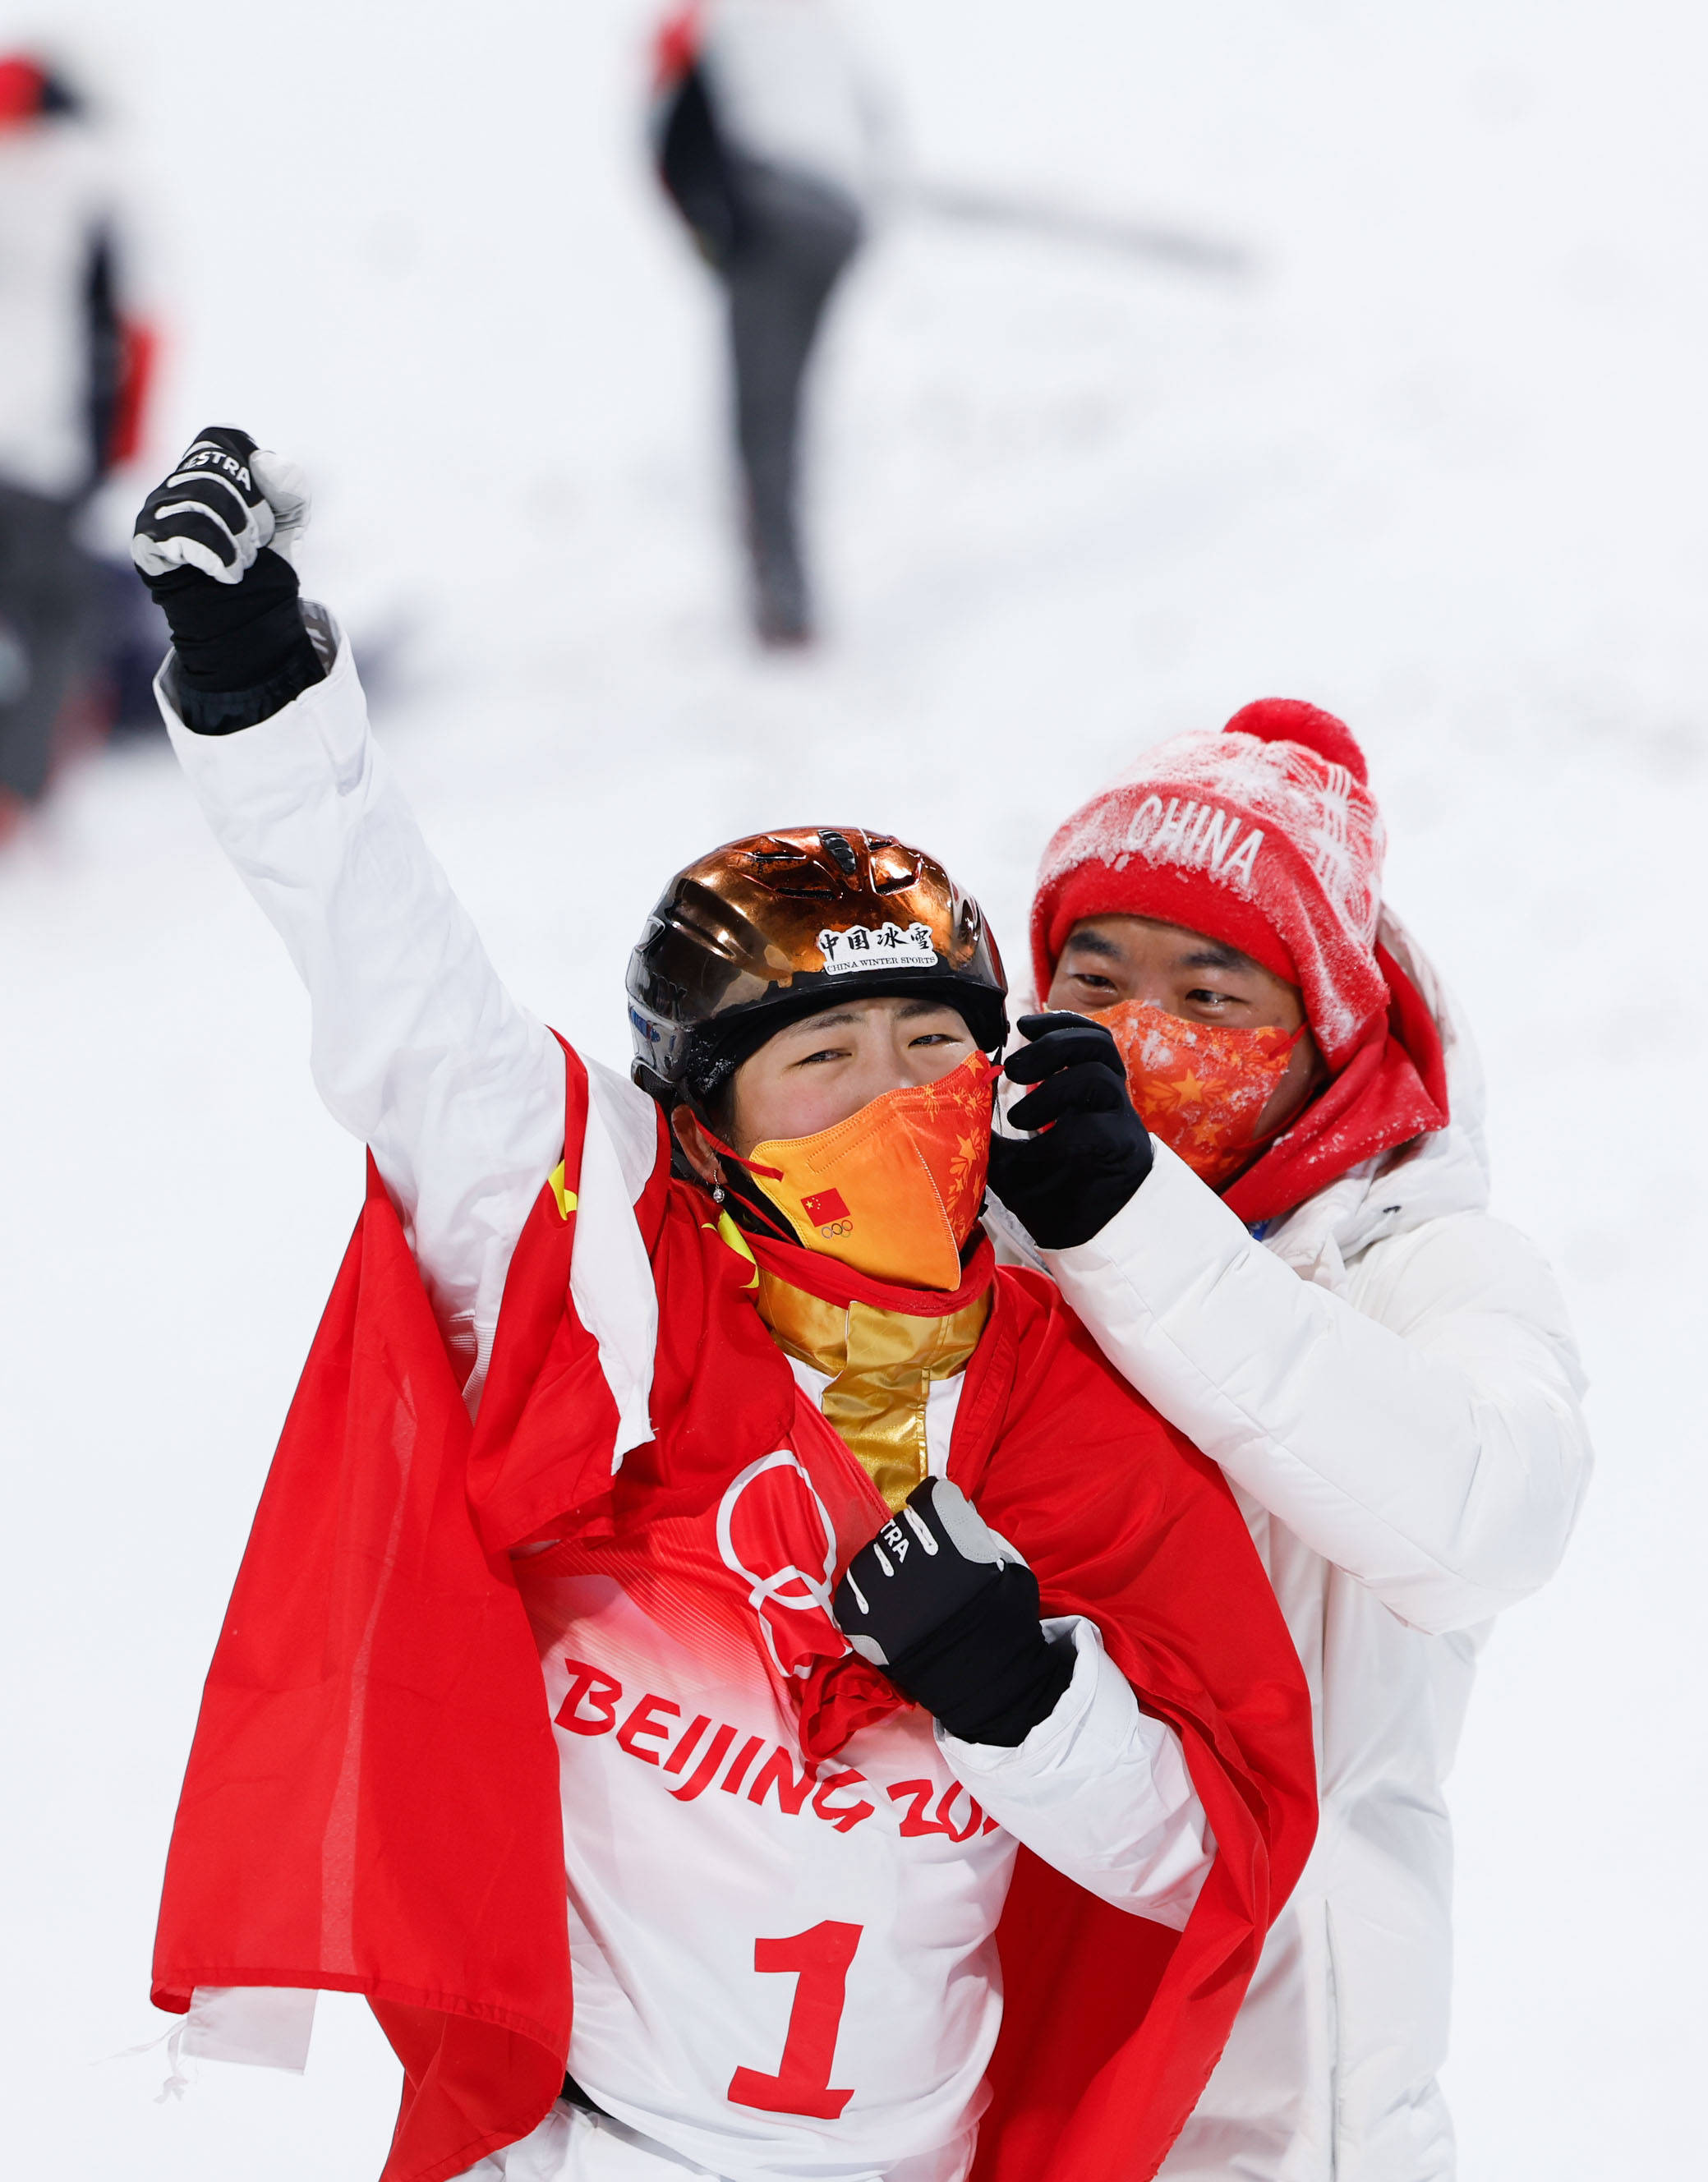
74,366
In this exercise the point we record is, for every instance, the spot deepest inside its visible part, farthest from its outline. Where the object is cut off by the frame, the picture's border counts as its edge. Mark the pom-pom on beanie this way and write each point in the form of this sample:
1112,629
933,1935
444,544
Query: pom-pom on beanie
1265,837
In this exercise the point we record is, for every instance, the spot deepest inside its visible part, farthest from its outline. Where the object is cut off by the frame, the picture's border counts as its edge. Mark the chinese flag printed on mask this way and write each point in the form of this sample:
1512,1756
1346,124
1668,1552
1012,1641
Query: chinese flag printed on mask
1201,1088
895,1190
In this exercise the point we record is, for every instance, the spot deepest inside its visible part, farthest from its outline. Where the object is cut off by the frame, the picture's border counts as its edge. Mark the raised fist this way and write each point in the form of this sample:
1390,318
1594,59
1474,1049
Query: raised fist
213,544
225,499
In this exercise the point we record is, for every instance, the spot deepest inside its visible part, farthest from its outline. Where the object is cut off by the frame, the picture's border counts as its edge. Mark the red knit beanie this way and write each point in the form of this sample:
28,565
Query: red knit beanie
1265,837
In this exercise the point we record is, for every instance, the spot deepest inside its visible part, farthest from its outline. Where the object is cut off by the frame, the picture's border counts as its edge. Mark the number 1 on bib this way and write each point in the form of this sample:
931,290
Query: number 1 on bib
819,1958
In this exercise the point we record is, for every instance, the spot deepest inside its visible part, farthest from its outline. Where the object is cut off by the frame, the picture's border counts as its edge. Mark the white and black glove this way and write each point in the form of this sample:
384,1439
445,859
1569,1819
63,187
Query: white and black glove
225,499
950,1612
212,543
1066,1182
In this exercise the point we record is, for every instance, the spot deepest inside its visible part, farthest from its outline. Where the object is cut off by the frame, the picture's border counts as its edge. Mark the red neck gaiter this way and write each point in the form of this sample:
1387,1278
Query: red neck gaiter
1391,1088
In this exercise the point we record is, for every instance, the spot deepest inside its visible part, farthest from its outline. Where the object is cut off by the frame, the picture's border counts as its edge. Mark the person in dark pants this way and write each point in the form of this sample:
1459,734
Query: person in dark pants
47,585
61,428
760,137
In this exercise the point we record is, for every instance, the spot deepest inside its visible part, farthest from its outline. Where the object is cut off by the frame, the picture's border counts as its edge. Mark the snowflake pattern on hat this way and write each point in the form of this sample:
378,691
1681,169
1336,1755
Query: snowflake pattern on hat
1272,846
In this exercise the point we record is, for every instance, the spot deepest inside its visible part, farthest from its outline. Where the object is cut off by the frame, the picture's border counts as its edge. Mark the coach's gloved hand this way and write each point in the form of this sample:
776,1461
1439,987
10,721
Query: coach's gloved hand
211,543
1065,1185
950,1612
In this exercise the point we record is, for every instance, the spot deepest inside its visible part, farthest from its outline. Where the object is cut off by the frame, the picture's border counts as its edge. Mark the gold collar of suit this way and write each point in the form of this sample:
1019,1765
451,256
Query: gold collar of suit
881,1366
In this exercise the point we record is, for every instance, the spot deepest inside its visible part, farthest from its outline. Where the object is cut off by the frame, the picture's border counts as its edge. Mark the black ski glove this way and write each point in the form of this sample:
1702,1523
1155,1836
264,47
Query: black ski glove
1065,1185
950,1612
203,545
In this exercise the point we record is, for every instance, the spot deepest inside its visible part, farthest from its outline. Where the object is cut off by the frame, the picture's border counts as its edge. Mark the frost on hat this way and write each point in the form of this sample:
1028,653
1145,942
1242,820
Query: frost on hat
1265,837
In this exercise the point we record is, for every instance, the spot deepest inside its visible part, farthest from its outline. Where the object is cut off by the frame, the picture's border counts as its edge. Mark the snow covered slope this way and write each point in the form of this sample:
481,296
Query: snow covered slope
1441,469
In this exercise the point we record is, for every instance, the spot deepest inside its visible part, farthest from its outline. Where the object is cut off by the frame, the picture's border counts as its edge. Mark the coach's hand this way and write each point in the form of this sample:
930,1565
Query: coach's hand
1066,1183
950,1612
212,543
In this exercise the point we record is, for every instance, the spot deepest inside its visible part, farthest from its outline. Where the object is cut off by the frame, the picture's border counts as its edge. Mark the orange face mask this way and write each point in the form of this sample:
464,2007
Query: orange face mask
1199,1087
895,1190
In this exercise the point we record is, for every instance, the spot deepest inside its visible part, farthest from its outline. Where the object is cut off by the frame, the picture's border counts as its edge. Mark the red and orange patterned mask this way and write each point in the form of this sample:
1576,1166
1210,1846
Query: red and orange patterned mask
895,1190
1202,1087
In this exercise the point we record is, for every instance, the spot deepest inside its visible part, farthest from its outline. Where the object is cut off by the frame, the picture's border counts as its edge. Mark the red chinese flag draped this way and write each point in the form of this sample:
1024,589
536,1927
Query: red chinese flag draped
371,1801
1112,2024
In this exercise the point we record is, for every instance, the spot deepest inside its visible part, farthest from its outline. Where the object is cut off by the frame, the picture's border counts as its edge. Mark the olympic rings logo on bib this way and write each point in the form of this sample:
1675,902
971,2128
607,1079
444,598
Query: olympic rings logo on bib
793,1603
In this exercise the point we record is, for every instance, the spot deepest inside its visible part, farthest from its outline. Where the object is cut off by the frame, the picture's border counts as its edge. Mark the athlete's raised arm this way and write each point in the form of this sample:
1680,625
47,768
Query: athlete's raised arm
417,1048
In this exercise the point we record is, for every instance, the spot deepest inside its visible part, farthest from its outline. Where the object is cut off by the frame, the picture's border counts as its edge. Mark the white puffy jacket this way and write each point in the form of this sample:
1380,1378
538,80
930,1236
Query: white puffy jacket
1388,1382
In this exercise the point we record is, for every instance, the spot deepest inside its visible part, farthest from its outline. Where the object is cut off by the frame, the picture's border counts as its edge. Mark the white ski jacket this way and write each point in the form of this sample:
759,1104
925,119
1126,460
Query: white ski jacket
419,1050
1388,1382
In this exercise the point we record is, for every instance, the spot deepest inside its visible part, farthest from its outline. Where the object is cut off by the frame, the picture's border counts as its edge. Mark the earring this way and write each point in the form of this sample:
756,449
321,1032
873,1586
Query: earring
716,1192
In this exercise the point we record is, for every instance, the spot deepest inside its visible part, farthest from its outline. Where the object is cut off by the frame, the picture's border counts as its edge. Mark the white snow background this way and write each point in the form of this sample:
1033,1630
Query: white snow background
1439,468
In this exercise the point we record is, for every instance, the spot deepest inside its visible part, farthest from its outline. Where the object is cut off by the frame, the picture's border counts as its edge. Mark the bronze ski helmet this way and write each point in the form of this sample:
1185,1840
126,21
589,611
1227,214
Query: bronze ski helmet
779,925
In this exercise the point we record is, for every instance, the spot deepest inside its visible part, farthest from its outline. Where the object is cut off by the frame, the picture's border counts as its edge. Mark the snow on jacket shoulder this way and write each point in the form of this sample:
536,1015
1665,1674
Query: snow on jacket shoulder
1391,1373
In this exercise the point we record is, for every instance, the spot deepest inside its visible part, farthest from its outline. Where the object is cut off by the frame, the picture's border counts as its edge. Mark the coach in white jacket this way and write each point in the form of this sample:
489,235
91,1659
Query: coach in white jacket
1384,1371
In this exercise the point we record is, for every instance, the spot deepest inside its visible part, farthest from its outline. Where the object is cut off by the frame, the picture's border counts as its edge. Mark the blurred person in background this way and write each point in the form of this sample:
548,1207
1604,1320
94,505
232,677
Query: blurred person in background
1292,1257
74,370
763,137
